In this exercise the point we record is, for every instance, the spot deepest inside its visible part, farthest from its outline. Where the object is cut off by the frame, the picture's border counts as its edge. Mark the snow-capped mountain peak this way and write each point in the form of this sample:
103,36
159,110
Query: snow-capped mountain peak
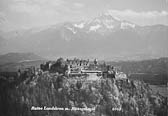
94,28
104,23
81,25
108,13
71,29
126,25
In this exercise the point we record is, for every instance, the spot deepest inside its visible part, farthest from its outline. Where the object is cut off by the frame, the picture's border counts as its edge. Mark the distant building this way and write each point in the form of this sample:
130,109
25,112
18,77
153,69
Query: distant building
80,67
77,63
95,62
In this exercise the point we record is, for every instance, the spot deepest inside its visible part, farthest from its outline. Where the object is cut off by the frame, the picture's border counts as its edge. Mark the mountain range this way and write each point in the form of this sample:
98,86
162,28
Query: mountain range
104,37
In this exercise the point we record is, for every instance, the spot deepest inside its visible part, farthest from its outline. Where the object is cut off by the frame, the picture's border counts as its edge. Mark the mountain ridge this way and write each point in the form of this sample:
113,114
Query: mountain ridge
103,36
18,57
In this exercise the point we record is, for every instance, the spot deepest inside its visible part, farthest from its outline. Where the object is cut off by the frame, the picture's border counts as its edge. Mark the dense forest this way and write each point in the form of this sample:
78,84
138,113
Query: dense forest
151,71
109,98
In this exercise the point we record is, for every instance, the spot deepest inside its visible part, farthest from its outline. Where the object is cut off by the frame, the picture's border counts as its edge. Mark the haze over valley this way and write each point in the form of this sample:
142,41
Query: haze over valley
105,37
83,57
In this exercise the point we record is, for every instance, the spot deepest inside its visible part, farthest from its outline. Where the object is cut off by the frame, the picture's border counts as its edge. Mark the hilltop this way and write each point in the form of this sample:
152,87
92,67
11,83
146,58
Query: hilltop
103,96
82,87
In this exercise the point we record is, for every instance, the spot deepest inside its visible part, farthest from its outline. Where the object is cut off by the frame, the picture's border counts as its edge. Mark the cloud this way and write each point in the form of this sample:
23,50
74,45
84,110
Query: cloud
78,5
142,18
35,6
19,0
42,2
5,25
2,17
45,9
34,13
131,13
25,8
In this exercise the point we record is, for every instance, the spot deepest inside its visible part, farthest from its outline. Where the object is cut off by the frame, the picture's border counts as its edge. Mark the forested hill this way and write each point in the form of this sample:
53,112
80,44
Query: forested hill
154,71
105,97
18,58
154,66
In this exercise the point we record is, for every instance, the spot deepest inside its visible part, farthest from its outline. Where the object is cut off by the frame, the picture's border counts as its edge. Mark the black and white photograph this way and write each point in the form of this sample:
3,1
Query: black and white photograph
83,57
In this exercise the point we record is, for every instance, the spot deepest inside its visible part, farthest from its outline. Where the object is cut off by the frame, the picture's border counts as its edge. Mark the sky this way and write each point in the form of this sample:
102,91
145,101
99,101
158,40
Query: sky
24,14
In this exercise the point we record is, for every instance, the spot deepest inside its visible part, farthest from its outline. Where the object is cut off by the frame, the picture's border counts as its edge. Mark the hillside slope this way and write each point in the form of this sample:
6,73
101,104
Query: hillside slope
103,96
18,58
